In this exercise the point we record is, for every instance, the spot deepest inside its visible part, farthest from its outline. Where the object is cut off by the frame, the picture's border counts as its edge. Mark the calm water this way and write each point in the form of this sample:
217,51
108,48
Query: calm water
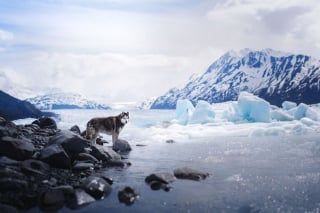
247,174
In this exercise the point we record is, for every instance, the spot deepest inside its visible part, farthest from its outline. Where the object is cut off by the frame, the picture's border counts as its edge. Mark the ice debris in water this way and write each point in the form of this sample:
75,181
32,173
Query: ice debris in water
248,108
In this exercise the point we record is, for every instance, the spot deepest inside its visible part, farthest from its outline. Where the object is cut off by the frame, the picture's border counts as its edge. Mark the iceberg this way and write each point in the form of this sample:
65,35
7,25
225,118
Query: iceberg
184,110
202,114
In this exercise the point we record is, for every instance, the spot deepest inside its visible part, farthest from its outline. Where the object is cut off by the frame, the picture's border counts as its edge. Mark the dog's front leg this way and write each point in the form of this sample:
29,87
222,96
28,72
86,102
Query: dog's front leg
114,138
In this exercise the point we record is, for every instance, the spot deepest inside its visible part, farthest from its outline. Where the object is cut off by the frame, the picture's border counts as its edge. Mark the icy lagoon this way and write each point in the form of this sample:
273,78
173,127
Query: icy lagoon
269,166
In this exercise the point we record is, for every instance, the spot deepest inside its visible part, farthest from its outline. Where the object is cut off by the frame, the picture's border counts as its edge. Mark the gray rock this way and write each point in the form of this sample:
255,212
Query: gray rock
87,157
75,129
45,123
8,161
161,177
35,167
12,184
122,146
16,148
53,198
55,156
81,198
82,166
128,196
117,163
189,173
104,153
97,187
7,209
12,172
72,143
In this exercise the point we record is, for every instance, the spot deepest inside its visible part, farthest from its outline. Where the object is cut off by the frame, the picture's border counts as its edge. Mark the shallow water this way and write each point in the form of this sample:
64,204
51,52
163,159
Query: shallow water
247,174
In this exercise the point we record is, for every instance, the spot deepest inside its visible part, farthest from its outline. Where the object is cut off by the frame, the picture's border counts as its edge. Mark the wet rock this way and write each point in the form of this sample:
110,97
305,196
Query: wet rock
170,141
8,131
8,161
104,153
12,172
52,200
75,129
160,177
189,173
56,157
72,143
35,167
97,187
66,189
82,166
160,181
16,148
12,184
45,123
7,209
117,163
128,196
87,157
106,178
81,198
122,146
100,141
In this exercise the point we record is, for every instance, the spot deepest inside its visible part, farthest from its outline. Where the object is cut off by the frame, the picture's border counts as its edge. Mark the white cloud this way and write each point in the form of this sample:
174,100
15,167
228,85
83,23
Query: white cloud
5,35
125,53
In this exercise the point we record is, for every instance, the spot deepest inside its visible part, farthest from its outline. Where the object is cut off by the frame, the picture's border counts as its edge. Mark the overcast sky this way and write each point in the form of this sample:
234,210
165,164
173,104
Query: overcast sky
129,50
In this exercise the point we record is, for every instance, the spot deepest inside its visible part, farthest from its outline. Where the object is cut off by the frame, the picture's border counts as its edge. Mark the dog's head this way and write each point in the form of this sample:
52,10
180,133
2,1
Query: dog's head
124,117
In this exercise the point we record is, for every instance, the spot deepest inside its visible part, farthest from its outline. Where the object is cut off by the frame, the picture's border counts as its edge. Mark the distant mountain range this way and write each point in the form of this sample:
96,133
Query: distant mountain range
12,108
61,100
272,75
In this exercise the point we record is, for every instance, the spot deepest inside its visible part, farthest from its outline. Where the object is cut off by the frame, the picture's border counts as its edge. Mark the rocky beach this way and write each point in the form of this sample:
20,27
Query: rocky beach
43,167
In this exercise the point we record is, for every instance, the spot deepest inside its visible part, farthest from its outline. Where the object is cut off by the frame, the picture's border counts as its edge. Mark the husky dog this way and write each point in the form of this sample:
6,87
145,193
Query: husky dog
109,125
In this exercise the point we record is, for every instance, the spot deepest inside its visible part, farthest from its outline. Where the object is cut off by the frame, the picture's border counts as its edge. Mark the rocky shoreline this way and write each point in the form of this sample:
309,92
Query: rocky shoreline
43,166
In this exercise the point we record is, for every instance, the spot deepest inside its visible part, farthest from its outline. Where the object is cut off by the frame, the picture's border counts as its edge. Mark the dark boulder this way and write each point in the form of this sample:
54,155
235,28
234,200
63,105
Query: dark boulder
75,129
72,143
52,200
87,157
12,184
117,163
97,187
122,146
189,173
17,149
8,131
55,156
163,177
160,181
80,198
128,196
8,161
104,153
46,123
79,165
7,209
11,172
32,166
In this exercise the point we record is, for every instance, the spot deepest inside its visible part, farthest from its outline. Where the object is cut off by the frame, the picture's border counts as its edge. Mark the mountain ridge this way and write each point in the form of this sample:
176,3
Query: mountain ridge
63,100
272,75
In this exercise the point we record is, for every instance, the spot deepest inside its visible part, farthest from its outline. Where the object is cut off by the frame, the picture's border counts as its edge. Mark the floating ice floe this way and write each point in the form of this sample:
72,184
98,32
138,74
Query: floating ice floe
248,108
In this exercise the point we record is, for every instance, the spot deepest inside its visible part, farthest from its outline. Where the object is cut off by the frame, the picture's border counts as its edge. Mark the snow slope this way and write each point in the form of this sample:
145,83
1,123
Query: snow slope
62,100
272,75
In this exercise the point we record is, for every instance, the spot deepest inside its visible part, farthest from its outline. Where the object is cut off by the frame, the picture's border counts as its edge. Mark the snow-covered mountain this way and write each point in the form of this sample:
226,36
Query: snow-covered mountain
272,75
147,103
62,100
